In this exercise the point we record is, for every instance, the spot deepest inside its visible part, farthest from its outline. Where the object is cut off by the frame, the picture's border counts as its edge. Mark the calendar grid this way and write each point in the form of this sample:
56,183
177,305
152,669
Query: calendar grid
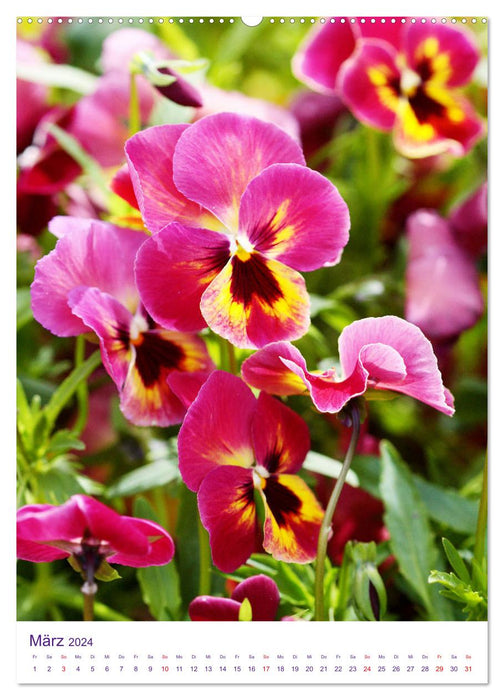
174,653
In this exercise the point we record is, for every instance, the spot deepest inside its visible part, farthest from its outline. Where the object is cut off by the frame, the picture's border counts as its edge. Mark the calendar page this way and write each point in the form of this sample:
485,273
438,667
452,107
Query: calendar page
252,343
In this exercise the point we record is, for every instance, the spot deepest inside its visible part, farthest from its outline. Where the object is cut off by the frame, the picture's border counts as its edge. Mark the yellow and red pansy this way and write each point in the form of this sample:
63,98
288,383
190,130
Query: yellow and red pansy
414,89
234,446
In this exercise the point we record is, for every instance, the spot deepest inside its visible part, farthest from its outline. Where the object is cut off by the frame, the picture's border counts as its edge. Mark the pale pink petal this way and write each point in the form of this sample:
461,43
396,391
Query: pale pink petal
90,253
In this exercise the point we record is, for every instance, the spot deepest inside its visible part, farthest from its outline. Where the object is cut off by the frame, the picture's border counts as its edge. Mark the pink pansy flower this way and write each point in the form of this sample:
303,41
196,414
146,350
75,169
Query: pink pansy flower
90,533
385,353
260,591
232,445
236,216
87,284
32,99
443,295
416,92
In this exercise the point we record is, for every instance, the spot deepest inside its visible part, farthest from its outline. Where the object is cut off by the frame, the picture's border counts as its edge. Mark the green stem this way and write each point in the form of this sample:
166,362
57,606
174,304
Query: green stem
227,356
205,561
479,546
69,386
88,611
325,528
82,390
134,107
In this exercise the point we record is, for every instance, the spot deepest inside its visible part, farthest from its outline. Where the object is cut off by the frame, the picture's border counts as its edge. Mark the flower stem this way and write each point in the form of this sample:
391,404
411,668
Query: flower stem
82,389
88,612
325,528
479,546
134,107
205,561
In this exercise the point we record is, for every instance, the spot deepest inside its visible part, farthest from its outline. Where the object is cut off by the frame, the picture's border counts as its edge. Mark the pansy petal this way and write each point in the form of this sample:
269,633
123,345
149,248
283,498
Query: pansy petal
369,83
434,121
186,385
422,380
227,151
150,158
448,54
111,322
227,509
319,58
292,519
266,370
262,593
206,608
281,437
216,429
146,396
443,295
328,393
160,548
295,215
96,254
173,269
255,301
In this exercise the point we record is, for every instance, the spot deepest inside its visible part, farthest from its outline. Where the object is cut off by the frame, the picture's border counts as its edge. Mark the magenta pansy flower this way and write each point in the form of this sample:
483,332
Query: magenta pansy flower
87,284
91,533
232,445
237,216
384,353
260,591
399,76
416,92
443,295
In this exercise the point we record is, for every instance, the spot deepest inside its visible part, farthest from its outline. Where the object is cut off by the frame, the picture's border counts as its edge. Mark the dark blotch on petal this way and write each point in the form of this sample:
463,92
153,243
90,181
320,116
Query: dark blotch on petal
153,353
425,107
252,278
281,500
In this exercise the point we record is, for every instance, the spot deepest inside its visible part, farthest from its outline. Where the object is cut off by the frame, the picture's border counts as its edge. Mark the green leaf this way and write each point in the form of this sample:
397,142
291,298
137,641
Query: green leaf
327,466
150,476
456,561
24,313
411,539
448,507
159,584
63,441
57,75
68,387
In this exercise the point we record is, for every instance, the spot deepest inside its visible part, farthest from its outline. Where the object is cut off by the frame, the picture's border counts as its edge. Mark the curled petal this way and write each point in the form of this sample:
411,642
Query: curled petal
254,301
160,548
390,337
295,215
216,429
227,151
266,370
174,268
292,519
228,512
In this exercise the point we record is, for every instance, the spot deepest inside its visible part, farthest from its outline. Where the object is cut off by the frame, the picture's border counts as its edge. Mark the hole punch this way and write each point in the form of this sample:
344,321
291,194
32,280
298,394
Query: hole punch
252,21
